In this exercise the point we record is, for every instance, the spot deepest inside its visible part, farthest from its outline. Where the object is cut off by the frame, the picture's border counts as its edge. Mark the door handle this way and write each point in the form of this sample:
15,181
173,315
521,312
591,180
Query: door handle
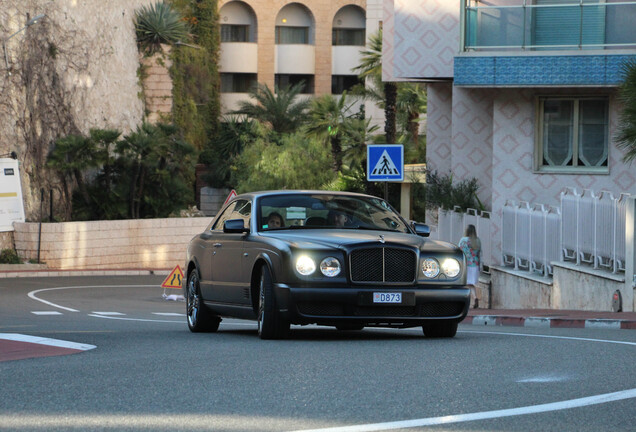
217,245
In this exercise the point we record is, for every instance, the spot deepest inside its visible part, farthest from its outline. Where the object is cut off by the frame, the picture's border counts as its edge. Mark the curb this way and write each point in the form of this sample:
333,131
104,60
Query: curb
542,322
81,272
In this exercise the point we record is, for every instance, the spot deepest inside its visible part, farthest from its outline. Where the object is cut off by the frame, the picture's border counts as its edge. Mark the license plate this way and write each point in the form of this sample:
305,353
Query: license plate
379,297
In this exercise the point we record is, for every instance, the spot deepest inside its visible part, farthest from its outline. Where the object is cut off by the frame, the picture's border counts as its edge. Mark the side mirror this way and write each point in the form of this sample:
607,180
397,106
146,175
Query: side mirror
421,229
234,226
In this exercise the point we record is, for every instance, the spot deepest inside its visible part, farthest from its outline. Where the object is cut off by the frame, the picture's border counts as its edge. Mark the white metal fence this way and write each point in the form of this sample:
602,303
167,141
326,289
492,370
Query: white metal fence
531,237
594,228
587,229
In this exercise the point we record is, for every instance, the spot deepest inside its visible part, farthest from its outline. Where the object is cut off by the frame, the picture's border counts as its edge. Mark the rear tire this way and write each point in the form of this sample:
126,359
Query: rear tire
200,319
440,329
270,324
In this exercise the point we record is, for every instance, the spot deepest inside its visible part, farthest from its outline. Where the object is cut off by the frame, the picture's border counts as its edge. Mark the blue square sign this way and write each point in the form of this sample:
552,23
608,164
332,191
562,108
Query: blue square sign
385,162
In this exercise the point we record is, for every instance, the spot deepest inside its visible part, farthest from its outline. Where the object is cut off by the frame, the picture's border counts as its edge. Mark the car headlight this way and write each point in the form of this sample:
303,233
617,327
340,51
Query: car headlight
305,265
451,267
430,267
330,267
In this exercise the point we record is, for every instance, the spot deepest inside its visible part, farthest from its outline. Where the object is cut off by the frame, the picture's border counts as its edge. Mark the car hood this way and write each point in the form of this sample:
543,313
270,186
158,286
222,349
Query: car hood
329,239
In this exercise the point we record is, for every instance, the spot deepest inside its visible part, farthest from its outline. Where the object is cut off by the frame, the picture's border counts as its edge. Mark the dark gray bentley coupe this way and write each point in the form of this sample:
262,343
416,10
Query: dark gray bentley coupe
329,258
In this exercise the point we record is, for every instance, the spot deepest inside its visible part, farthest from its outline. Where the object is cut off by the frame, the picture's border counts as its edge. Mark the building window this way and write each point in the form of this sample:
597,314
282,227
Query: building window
341,36
235,33
340,83
292,35
237,82
573,134
288,80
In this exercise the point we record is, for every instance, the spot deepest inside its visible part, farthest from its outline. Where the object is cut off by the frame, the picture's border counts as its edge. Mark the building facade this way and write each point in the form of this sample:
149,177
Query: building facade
522,95
278,43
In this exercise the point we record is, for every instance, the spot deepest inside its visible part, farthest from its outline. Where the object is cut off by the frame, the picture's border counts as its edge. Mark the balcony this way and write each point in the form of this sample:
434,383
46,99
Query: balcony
513,25
239,57
567,43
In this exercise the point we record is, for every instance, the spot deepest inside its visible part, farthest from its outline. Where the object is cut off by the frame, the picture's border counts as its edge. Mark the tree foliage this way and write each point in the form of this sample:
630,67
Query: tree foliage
147,173
626,136
195,75
283,109
299,162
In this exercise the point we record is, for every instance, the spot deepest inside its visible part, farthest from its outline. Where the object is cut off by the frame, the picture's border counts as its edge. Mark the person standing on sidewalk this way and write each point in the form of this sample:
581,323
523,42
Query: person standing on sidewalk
471,246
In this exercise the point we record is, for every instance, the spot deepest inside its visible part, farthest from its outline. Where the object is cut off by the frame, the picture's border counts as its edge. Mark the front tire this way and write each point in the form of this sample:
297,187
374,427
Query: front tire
440,329
270,324
200,319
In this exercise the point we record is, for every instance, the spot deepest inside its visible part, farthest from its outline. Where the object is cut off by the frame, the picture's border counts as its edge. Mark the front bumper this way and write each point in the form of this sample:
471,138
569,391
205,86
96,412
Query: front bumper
332,306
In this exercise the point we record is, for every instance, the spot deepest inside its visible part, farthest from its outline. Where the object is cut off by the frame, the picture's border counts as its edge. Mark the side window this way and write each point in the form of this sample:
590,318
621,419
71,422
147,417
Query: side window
243,210
226,215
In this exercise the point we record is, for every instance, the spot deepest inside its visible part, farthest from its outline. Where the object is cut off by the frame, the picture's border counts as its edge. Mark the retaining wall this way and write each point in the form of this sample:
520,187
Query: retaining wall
123,244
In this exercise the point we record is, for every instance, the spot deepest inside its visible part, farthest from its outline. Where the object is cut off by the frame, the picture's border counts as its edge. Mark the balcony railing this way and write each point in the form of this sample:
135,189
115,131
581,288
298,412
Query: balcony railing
548,25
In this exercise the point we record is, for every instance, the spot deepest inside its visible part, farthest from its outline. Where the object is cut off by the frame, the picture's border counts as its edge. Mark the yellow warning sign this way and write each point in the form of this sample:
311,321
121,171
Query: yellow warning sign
174,279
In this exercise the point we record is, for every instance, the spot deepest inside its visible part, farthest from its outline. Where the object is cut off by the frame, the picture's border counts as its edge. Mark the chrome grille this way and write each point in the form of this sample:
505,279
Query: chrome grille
383,265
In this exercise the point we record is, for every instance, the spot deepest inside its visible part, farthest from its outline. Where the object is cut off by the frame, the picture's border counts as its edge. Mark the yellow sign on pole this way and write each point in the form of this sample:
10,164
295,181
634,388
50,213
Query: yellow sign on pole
174,279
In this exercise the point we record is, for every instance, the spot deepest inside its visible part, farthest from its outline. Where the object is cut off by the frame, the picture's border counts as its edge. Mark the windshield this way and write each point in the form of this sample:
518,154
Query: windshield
309,211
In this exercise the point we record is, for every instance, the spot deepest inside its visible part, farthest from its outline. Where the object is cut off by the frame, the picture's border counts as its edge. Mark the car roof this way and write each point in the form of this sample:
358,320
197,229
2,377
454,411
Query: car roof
259,194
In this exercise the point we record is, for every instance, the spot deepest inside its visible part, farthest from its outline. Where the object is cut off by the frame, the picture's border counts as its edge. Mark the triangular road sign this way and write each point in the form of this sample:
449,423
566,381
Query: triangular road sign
385,166
174,279
230,196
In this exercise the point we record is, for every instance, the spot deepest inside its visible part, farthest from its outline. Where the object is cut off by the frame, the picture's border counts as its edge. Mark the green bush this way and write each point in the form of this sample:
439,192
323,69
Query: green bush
9,256
442,192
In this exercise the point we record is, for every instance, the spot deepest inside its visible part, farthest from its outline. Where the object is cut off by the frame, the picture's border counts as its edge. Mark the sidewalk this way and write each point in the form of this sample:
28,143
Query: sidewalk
552,318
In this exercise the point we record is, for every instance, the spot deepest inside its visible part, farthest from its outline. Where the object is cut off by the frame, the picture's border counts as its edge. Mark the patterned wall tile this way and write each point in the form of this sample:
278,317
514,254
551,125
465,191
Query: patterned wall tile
435,39
539,70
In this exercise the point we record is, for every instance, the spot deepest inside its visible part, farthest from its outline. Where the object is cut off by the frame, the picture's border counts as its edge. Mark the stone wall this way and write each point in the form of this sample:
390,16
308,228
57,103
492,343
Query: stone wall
124,244
571,288
73,70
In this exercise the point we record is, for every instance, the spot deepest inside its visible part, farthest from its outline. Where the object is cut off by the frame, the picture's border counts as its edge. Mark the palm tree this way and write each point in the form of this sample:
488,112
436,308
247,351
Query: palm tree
626,137
282,110
356,134
157,24
411,101
371,67
327,114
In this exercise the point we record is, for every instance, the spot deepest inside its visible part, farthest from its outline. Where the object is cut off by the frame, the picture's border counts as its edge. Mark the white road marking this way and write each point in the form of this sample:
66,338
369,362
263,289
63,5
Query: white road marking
545,379
133,319
169,314
532,409
109,313
32,294
46,313
46,341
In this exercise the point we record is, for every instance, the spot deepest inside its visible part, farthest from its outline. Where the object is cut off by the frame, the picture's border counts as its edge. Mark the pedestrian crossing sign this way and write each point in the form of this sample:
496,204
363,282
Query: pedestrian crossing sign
385,162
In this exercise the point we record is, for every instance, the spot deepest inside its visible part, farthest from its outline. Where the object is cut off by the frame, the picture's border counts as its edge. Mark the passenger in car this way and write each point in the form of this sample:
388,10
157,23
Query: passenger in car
274,220
337,218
